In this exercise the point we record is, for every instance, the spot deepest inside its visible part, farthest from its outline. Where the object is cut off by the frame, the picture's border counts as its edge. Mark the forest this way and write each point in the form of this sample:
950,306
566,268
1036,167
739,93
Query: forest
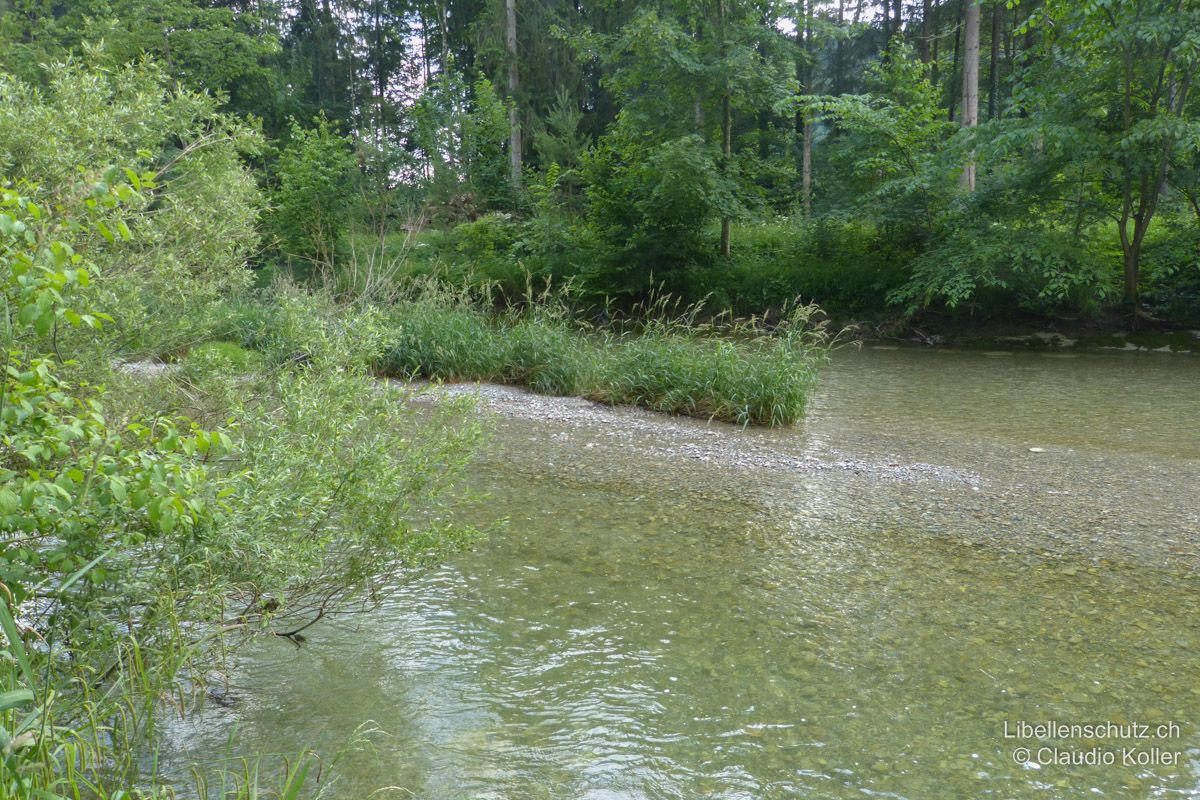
242,238
954,159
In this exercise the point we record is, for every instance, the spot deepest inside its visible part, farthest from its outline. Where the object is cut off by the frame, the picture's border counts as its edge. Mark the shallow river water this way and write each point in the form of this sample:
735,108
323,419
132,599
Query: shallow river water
868,605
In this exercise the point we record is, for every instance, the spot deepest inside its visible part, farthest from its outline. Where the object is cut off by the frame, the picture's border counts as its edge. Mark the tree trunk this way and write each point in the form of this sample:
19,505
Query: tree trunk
804,126
764,139
514,116
381,75
806,168
726,133
1132,257
954,65
727,152
444,24
426,72
838,58
1141,192
994,67
1030,36
923,44
970,85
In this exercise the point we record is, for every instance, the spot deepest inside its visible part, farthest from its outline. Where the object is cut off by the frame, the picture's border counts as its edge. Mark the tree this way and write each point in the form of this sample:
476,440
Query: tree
1119,93
202,45
514,117
316,186
970,91
804,123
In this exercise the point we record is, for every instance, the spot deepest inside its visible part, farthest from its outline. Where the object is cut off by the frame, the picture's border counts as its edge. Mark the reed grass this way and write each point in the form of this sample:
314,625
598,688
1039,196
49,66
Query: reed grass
740,372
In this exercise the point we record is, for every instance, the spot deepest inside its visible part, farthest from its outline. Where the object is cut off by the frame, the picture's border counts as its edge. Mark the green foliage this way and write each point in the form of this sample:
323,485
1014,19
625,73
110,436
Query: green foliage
1040,269
84,501
543,352
141,546
651,205
760,379
442,336
204,47
223,358
559,140
316,191
764,380
194,214
845,267
1171,260
889,158
1091,120
485,132
1121,106
462,131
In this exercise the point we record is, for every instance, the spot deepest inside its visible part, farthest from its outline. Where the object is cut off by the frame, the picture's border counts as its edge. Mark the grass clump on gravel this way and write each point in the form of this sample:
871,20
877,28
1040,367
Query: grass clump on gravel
741,373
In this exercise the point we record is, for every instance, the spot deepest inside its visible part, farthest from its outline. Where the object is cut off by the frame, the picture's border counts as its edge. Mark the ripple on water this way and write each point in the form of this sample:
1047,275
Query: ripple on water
652,625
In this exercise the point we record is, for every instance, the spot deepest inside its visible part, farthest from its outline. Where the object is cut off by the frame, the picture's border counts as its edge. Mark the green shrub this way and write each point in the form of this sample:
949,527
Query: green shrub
1171,269
650,206
153,545
440,336
842,266
313,204
224,357
193,221
1026,268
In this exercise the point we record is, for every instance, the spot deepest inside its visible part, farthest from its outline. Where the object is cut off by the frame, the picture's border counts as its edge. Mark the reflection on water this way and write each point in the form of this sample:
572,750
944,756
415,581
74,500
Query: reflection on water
657,627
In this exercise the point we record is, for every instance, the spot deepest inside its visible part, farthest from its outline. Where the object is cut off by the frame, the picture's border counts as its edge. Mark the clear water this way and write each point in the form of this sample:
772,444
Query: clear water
661,621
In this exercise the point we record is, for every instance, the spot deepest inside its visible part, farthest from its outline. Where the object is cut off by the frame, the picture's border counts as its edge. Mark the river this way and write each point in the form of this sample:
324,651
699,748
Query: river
872,604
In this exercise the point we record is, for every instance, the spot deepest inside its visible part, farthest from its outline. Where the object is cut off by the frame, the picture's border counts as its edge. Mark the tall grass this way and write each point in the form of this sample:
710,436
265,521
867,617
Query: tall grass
763,381
741,373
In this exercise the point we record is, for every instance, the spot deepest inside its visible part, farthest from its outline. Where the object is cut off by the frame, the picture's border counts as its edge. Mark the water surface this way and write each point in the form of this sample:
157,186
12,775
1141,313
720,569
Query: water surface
853,608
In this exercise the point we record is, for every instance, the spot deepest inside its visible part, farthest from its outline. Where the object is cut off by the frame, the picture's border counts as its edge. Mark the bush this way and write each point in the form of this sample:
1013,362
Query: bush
141,546
650,207
1029,268
314,201
227,358
542,352
761,380
181,248
1171,269
441,336
842,266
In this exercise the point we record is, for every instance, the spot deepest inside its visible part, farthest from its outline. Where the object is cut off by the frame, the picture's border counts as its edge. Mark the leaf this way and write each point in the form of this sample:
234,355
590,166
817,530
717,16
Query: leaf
14,641
14,698
296,781
8,502
44,322
83,571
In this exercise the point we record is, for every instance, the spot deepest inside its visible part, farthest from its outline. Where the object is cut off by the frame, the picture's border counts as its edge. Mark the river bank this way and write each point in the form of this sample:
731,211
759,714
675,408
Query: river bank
1106,333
